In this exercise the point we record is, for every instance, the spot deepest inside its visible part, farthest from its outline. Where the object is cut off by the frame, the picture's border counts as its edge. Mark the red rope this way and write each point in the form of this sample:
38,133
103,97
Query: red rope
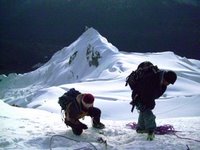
161,130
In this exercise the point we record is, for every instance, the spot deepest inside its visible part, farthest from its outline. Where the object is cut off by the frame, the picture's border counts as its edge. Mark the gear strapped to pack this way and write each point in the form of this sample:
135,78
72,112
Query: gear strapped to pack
143,71
67,98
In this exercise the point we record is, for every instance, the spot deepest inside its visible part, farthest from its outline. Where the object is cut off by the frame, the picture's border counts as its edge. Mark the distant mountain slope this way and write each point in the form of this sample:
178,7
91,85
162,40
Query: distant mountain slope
33,30
92,58
85,58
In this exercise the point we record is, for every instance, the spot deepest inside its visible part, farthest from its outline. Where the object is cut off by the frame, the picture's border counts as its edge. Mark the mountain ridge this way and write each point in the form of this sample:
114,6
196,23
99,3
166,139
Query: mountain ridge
37,29
86,52
90,60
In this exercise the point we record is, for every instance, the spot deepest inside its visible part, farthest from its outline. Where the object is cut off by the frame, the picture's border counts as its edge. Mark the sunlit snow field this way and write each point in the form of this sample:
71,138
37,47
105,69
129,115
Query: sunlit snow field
92,64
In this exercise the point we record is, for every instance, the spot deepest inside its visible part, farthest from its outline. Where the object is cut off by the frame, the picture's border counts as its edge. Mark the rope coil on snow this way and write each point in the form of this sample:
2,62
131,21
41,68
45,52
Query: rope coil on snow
161,130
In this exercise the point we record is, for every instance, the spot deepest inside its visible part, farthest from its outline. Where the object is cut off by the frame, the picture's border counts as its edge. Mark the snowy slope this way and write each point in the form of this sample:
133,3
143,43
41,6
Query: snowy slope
76,62
92,58
92,64
36,129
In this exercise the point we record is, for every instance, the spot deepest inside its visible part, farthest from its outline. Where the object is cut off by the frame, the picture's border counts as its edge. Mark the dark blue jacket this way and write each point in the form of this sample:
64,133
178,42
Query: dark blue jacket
149,89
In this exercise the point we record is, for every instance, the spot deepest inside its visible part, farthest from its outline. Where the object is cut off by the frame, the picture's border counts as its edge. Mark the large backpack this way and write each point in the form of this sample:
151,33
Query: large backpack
144,70
67,98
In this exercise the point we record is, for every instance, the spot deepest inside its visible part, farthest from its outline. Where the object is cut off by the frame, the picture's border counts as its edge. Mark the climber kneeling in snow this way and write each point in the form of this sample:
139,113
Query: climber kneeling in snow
76,106
148,83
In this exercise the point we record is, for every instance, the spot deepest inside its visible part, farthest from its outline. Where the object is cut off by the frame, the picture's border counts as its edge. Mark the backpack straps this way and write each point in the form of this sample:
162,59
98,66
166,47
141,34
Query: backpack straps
162,76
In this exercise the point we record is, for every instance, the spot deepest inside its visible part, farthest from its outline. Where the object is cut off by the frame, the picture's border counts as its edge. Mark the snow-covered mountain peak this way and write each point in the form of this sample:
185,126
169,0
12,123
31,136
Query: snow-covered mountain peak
87,57
93,37
92,64
89,42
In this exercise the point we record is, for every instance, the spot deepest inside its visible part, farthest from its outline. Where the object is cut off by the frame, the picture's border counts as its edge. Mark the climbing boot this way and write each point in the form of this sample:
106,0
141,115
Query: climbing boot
140,130
150,136
77,131
98,125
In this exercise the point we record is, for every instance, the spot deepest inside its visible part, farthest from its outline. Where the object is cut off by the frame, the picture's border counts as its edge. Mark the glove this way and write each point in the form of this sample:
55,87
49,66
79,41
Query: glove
135,100
133,105
82,126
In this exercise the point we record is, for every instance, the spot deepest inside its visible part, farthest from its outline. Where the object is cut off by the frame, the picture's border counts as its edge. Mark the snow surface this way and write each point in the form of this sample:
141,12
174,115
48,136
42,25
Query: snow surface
92,64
